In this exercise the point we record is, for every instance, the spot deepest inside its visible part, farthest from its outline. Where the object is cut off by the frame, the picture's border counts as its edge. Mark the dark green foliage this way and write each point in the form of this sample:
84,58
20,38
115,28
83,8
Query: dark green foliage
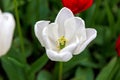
97,62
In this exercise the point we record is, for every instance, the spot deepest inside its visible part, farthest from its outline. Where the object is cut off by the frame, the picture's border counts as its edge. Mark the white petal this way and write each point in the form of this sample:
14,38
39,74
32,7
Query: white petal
48,43
52,30
7,25
0,12
71,47
54,56
39,26
91,34
62,16
81,32
1,18
70,28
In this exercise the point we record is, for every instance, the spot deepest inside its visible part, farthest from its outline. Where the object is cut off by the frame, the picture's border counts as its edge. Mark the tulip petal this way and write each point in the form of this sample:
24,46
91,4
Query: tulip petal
6,32
71,47
0,12
54,56
70,28
81,32
48,43
39,26
77,6
91,34
62,16
52,30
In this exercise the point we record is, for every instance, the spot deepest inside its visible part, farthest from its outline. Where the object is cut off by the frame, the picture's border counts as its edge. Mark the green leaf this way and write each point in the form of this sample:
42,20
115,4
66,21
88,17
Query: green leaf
108,71
13,71
38,64
109,14
1,78
95,12
81,59
36,10
27,44
43,9
100,36
15,62
84,74
8,5
44,75
117,75
118,22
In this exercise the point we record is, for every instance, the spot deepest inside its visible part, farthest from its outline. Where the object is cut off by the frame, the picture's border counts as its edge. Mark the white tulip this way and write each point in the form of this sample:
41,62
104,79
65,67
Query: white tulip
7,25
66,37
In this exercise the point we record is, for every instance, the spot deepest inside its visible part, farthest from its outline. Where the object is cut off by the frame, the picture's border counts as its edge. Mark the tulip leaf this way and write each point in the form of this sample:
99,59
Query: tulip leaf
84,74
38,64
36,10
1,78
15,62
100,37
81,59
117,75
8,5
27,44
109,14
44,75
13,71
108,71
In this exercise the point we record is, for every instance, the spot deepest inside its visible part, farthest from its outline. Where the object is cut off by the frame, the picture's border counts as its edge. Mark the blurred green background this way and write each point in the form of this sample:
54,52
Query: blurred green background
97,62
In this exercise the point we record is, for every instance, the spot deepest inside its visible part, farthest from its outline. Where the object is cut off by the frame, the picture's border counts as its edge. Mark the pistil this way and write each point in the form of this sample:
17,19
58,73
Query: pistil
61,42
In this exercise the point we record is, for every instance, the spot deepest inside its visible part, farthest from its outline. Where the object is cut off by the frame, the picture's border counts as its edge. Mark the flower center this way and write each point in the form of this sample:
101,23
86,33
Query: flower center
61,42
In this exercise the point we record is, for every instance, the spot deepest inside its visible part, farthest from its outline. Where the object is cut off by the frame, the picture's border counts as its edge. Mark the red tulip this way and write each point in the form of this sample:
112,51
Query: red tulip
118,46
77,6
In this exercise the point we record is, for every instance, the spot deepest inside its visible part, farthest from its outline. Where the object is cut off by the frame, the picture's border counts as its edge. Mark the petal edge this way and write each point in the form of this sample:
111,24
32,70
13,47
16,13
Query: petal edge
91,34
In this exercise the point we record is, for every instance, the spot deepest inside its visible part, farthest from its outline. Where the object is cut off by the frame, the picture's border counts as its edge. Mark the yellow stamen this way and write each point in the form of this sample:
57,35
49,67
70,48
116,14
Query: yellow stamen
61,42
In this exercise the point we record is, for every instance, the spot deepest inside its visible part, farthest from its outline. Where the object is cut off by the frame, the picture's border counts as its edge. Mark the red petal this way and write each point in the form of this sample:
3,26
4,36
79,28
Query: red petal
118,46
86,5
77,6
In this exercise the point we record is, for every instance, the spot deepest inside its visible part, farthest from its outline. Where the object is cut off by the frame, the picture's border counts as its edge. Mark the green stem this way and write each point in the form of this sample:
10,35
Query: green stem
21,38
60,70
19,29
